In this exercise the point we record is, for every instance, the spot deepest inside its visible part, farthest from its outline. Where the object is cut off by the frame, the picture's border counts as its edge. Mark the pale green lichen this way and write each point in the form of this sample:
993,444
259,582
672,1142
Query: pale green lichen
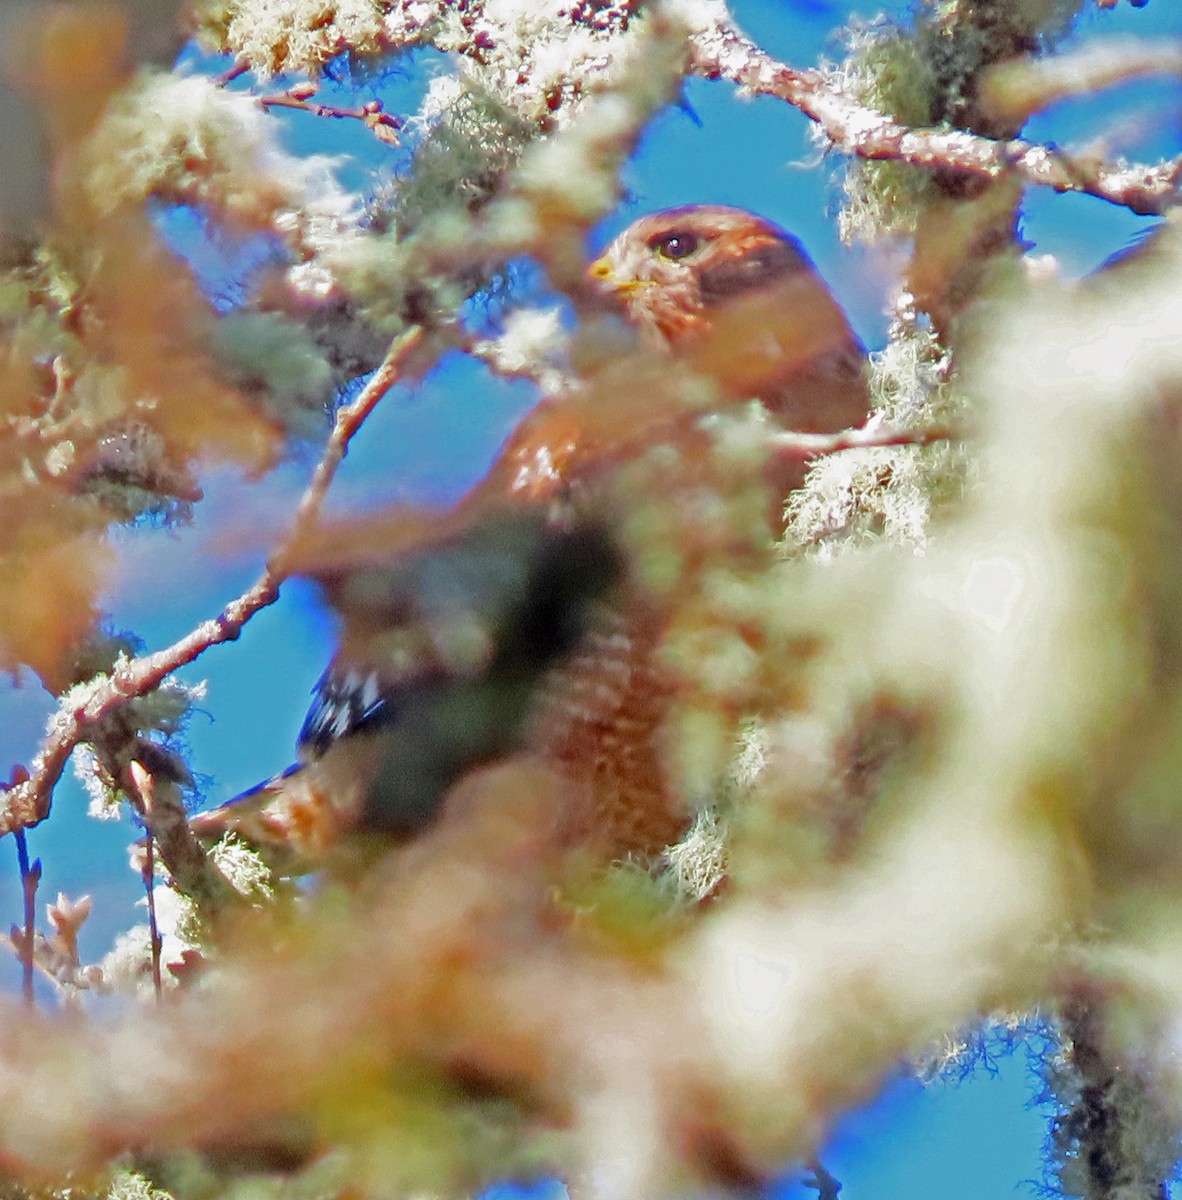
885,71
182,926
184,140
858,497
465,147
924,75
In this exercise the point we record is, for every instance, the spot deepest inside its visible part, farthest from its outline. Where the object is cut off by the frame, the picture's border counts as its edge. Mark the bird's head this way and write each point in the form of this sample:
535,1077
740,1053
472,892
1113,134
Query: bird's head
673,270
737,302
738,299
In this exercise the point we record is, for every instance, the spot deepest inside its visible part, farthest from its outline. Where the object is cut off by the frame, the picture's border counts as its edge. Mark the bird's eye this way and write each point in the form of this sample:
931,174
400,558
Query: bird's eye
675,245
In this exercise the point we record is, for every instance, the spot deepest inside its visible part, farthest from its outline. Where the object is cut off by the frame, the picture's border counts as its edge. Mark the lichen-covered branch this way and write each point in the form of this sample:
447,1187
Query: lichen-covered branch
1111,1136
720,51
28,801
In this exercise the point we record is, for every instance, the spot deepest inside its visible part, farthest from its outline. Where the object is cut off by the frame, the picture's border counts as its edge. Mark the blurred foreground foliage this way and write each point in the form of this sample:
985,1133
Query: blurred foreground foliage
934,742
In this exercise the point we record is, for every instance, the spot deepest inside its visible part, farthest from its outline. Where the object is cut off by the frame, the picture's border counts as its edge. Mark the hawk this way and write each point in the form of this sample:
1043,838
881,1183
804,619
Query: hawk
450,656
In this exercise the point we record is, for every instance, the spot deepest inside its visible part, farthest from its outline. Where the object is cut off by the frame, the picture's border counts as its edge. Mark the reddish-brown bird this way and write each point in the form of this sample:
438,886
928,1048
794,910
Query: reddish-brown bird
725,296
728,309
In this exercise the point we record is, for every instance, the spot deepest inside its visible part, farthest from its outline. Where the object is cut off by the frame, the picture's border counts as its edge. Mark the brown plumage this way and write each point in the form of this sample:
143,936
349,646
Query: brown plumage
728,299
719,296
728,309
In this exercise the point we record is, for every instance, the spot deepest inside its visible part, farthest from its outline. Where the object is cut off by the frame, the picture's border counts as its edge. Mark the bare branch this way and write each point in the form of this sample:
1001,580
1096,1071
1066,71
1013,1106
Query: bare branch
349,420
161,808
383,126
1111,1126
722,52
28,801
828,1186
142,783
240,67
866,438
30,877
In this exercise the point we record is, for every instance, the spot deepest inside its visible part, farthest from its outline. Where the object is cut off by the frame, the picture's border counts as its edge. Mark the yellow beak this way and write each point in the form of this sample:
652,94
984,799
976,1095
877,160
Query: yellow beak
601,271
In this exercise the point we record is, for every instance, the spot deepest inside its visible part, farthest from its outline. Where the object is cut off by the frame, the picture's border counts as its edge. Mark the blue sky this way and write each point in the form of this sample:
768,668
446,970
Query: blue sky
973,1140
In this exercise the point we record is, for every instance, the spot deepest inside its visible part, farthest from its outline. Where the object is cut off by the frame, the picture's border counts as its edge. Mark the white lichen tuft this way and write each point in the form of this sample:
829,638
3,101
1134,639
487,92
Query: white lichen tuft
128,966
102,798
752,757
538,62
279,36
532,343
442,95
185,140
131,1185
698,862
858,497
701,16
244,868
166,708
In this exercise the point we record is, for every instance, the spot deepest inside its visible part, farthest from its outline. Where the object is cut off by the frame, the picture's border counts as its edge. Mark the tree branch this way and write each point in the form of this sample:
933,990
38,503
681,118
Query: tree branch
1014,89
722,52
403,971
27,802
383,126
30,877
828,1186
866,438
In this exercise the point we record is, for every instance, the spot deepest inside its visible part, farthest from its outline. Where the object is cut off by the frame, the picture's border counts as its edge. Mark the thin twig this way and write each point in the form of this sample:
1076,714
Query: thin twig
157,942
828,1186
349,420
30,877
27,802
159,804
142,783
867,437
240,67
63,974
722,52
383,126
1014,89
